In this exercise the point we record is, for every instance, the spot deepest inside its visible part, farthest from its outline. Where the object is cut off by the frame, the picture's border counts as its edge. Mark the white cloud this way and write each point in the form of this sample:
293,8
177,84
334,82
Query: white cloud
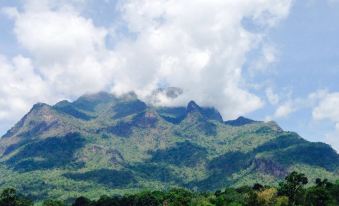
327,109
286,105
332,138
272,97
20,88
68,50
269,56
284,110
56,37
199,46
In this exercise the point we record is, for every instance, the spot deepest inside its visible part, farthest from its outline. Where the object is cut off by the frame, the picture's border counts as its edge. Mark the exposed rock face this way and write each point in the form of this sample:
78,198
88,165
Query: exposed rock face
270,167
207,113
146,120
39,117
116,156
193,107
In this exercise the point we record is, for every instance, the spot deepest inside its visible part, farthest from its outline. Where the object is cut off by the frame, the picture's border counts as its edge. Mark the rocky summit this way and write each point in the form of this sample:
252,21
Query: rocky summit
104,144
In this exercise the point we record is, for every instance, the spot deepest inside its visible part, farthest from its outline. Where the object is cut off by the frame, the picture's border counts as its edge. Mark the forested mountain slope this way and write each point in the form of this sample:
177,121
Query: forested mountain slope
103,144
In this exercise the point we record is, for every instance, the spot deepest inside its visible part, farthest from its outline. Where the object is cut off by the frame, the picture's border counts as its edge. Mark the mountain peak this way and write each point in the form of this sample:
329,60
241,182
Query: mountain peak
240,121
40,105
130,96
62,103
99,96
39,117
88,102
209,113
192,107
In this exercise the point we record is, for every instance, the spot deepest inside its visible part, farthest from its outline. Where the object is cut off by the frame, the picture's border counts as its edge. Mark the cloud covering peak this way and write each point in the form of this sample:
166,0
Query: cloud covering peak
199,46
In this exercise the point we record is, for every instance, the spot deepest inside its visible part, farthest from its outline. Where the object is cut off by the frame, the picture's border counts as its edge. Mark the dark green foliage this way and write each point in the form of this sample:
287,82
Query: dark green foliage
317,154
290,192
207,113
230,197
182,154
145,120
9,197
239,122
222,167
108,201
281,142
320,194
176,114
82,201
121,129
230,162
198,125
13,147
54,152
37,128
124,109
293,187
155,172
265,130
53,203
208,128
73,111
258,187
211,114
146,198
252,199
178,197
109,178
172,114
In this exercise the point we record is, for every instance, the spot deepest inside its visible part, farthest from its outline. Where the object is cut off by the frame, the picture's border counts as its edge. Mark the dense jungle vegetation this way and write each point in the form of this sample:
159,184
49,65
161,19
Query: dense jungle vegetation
293,191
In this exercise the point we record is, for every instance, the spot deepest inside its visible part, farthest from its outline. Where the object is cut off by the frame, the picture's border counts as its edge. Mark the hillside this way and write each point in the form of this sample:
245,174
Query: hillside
103,144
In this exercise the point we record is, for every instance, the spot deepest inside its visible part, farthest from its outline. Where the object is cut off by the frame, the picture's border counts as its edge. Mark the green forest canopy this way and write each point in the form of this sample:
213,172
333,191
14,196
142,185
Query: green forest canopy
292,191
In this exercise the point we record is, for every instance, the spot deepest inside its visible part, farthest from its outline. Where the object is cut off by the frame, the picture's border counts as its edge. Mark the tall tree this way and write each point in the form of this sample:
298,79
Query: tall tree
292,187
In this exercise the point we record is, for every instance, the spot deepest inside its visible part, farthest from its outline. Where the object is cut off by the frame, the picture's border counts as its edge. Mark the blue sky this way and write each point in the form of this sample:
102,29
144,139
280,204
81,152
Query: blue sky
308,61
267,60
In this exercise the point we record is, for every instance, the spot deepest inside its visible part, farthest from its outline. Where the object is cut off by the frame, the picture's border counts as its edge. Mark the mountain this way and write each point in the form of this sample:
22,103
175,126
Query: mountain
103,144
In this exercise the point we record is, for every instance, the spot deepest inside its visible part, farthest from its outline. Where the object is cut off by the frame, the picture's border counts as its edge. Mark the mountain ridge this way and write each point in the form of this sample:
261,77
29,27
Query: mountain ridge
136,146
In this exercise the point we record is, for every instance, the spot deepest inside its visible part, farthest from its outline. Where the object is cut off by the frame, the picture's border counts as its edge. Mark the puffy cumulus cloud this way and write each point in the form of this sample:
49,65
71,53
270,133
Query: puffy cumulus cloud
332,138
199,46
271,96
269,55
327,109
67,57
285,104
20,88
57,37
284,110
68,50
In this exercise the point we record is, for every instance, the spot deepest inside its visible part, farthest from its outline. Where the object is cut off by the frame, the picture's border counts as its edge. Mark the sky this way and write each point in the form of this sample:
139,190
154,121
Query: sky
263,59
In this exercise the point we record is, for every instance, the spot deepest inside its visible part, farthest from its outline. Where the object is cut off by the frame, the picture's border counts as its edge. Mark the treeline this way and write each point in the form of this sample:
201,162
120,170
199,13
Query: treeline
291,192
